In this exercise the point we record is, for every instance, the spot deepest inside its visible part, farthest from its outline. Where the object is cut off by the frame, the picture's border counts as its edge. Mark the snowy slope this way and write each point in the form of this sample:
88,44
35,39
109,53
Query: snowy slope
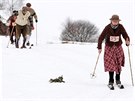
26,73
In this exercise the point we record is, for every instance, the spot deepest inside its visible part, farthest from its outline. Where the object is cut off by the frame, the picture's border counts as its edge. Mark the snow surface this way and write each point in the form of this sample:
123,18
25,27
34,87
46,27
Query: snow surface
25,73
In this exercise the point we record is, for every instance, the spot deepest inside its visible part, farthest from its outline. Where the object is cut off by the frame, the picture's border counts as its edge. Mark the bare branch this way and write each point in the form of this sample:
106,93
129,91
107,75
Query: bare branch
79,31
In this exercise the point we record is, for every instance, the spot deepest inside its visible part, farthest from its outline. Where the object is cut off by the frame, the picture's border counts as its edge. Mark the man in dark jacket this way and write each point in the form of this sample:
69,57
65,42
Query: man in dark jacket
31,27
12,30
114,55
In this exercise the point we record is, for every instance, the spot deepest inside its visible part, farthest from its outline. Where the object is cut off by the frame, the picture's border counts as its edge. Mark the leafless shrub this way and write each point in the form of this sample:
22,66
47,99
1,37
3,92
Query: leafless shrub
79,31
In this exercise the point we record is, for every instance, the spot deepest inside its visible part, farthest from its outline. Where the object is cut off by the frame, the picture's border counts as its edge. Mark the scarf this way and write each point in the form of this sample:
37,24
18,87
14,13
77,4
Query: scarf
114,26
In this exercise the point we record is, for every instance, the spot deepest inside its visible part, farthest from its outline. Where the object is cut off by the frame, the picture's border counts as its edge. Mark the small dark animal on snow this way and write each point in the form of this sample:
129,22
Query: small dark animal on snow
57,80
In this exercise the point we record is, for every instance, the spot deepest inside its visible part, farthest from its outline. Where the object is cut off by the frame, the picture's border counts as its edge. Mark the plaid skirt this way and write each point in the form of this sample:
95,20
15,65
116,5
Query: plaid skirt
114,58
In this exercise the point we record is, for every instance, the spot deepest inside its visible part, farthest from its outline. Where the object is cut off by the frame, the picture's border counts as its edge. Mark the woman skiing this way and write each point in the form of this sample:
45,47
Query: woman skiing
113,56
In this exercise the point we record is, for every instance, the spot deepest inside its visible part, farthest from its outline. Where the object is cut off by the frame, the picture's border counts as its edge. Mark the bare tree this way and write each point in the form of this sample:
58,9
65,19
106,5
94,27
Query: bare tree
2,4
79,31
10,5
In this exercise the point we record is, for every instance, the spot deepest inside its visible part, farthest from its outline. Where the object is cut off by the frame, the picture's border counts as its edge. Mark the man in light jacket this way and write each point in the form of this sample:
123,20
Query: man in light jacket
22,26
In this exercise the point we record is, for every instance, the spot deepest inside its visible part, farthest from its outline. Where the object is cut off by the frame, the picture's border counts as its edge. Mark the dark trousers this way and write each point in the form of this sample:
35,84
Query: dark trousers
111,77
21,30
12,33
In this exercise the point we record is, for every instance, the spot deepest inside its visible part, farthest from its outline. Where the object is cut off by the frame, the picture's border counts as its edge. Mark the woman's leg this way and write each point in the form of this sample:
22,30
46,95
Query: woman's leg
117,77
111,77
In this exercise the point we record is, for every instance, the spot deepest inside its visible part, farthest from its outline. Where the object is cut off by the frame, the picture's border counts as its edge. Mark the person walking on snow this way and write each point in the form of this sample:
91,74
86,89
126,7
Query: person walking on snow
11,21
32,15
114,57
22,26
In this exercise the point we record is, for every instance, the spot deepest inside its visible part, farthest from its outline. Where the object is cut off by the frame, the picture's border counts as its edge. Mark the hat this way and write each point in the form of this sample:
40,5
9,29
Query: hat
115,17
28,4
15,12
24,9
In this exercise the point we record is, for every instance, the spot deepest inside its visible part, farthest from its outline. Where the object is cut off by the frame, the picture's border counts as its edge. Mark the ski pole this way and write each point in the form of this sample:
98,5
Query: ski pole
93,74
130,67
9,36
36,34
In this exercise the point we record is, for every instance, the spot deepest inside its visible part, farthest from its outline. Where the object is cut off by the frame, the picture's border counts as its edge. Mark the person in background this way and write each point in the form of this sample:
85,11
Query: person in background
21,24
31,25
114,57
11,20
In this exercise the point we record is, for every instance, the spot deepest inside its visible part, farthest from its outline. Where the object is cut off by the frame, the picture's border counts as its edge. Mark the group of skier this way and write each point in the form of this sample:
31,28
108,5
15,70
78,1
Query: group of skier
21,23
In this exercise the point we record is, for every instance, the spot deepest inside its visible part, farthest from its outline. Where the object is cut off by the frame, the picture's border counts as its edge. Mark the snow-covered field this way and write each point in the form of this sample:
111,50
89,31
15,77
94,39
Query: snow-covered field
25,73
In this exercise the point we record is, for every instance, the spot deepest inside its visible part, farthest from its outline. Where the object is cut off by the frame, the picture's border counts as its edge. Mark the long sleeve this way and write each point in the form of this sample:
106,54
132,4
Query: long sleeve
101,38
33,13
124,33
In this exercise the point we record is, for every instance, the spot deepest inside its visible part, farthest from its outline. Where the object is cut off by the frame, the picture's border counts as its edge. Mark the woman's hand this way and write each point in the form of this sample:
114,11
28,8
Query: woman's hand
99,51
127,42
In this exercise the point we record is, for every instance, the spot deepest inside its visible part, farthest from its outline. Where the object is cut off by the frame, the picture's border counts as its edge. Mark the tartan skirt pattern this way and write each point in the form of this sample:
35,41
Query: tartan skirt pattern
114,58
